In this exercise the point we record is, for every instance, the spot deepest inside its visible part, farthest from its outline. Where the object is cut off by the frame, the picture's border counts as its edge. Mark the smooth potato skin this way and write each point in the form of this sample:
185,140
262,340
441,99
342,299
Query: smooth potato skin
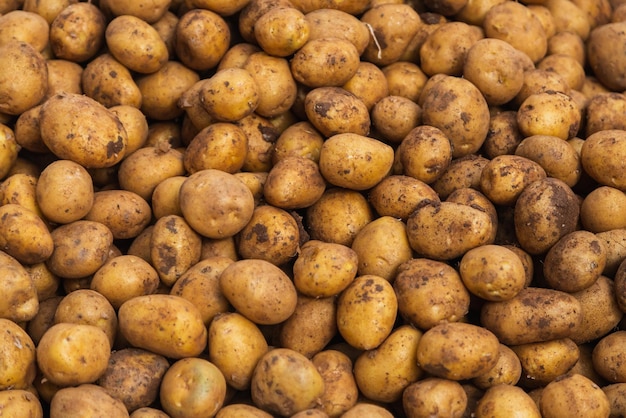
24,235
20,403
85,400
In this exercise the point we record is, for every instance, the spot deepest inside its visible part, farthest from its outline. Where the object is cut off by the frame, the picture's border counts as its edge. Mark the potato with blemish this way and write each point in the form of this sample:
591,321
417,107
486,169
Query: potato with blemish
125,213
26,26
543,362
21,302
229,95
110,83
294,183
567,66
19,352
601,157
399,195
220,145
276,83
445,50
23,77
461,172
549,113
369,84
24,235
424,153
281,31
434,395
299,139
573,395
507,370
331,22
505,176
334,110
202,38
84,18
395,116
404,79
340,388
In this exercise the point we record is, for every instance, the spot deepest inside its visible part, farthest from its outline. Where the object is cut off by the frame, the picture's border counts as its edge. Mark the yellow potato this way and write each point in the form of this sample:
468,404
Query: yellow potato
24,235
506,400
97,82
84,18
340,388
573,395
281,31
334,110
149,11
399,195
23,84
545,361
18,352
20,403
294,183
434,395
230,94
193,47
508,370
125,213
325,62
85,400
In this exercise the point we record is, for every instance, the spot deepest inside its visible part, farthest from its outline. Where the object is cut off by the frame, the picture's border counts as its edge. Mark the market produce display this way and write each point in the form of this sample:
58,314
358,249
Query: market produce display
312,208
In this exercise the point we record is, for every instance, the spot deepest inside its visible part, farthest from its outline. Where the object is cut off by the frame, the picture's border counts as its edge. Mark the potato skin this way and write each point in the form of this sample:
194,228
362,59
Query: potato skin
20,402
163,324
340,388
574,395
506,400
23,83
545,361
124,212
533,315
24,235
85,400
602,157
434,395
19,351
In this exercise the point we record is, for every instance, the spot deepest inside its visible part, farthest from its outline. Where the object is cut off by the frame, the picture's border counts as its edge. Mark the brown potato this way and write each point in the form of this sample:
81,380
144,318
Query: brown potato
404,79
601,112
434,395
259,290
600,156
25,26
276,84
549,113
299,139
135,124
252,11
21,402
461,173
148,11
281,31
84,18
615,393
557,157
543,362
48,10
262,136
399,195
424,153
85,400
196,50
508,370
574,395
125,213
516,321
325,62
20,302
602,45
240,410
294,183
221,146
24,235
165,197
340,388
445,50
337,23
368,409
24,82
607,357
230,94
369,84
567,66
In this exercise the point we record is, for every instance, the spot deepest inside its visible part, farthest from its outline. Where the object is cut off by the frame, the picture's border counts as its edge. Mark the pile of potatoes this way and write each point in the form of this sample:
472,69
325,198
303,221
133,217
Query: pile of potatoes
312,208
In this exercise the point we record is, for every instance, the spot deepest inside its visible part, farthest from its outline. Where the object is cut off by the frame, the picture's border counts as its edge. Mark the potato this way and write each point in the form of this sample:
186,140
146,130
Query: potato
601,313
24,235
45,282
84,18
433,395
424,153
404,79
165,197
573,395
393,27
615,394
267,297
161,90
70,354
252,11
434,229
368,409
567,66
80,248
390,235
25,26
549,113
601,155
135,124
19,355
109,82
229,95
557,157
24,82
602,45
399,195
285,382
300,139
368,84
506,400
281,31
545,211
462,172
543,362
325,62
337,23
21,189
601,112
370,161
508,20
382,374
222,146
20,402
334,110
48,11
196,50
607,357
508,370
338,216
272,235
294,183
148,11
133,376
340,388
533,315
458,109
311,327
124,212
366,311
85,400
216,204
575,262
394,117
444,51
178,333
241,410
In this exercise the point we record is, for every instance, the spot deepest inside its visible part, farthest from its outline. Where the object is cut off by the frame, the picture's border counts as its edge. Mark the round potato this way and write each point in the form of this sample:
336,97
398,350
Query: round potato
165,197
85,400
504,136
202,39
434,395
24,82
424,153
549,113
602,45
601,112
366,311
558,158
601,157
281,31
607,357
300,139
20,402
508,370
168,325
573,395
340,388
149,11
21,301
230,94
26,26
506,400
336,23
334,110
221,146
276,84
325,62
444,51
462,172
399,195
80,17
125,213
404,79
369,84
294,183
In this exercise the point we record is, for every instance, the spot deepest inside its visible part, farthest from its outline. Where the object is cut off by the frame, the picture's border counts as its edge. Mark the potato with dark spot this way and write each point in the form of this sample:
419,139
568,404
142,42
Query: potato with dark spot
461,172
84,18
276,84
549,113
434,395
340,388
24,235
399,195
424,153
506,400
220,145
124,212
334,110
508,370
110,83
543,362
23,77
573,395
202,39
229,95
294,183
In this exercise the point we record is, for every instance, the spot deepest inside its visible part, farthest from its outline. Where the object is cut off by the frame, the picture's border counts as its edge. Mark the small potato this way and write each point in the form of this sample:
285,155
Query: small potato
285,382
382,374
340,388
24,82
369,160
144,169
179,331
76,127
573,395
457,351
236,344
135,124
549,113
272,234
18,353
202,39
325,62
176,398
294,183
216,204
425,302
84,18
504,136
133,376
276,84
399,195
24,235
221,146
324,269
474,198
492,272
508,370
369,84
366,311
338,216
462,172
567,66
434,395
26,133
165,197
545,211
230,94
395,116
174,248
557,157
334,110
575,262
434,229
540,81
506,400
85,400
26,26
404,79
109,82
20,402
72,354
299,139
601,157
281,31
124,277
124,212
136,44
200,285
336,23
262,136
424,153
517,321
46,283
311,327
545,361
608,355
601,112
367,409
259,290
458,109
392,243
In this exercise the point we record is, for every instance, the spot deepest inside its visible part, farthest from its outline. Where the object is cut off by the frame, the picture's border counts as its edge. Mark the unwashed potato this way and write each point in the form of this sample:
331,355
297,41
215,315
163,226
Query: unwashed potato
325,62
24,235
601,112
23,83
434,395
615,393
285,382
461,173
229,95
340,388
504,136
557,157
85,400
399,195
607,357
281,31
20,403
19,351
369,84
149,11
395,116
424,153
294,183
545,361
168,325
506,400
508,370
573,395
125,213
84,18
601,155
334,110
135,124
604,42
336,23
26,26
109,82
21,189
276,83
220,145
193,47
20,302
